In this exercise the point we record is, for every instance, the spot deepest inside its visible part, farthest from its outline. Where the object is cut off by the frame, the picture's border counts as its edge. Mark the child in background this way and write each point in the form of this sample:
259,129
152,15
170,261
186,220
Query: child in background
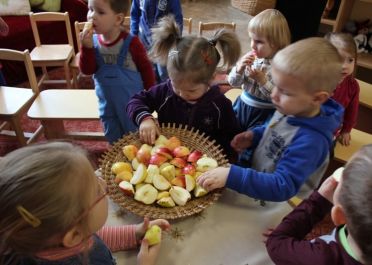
4,30
269,33
347,91
145,14
349,203
53,208
118,61
187,98
291,152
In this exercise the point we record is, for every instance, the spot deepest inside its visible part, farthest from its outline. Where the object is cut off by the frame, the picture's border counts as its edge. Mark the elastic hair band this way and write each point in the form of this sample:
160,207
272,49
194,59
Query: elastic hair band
173,53
28,217
212,42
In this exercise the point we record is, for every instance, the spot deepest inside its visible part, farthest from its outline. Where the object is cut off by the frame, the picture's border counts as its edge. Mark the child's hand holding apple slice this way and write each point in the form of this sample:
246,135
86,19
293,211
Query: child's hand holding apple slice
143,227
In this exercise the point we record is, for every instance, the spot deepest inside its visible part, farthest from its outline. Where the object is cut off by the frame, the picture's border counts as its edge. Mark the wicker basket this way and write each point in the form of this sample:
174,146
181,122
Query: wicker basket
253,7
190,138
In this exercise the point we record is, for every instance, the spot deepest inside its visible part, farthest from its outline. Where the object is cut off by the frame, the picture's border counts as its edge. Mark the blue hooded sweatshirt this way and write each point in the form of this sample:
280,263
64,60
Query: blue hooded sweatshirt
290,155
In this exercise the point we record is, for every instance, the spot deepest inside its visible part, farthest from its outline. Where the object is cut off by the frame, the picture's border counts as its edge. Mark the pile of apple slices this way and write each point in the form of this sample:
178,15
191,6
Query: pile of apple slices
165,173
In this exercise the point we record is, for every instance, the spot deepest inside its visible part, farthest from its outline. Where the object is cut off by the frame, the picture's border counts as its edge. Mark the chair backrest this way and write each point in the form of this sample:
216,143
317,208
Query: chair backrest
13,55
213,26
79,26
50,16
187,23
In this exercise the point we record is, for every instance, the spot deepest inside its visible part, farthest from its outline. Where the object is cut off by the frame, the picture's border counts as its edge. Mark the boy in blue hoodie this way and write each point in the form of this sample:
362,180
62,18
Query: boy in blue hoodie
145,14
291,152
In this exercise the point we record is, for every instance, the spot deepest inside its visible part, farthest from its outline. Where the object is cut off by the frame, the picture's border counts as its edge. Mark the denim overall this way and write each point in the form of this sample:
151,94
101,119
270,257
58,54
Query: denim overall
115,85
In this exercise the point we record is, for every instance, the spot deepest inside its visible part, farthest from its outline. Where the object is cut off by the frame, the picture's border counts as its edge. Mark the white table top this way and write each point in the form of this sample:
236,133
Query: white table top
12,99
228,232
66,104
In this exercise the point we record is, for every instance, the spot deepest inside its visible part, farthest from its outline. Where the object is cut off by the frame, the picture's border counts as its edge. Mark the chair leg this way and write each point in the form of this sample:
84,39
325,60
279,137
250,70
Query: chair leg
16,125
68,76
75,79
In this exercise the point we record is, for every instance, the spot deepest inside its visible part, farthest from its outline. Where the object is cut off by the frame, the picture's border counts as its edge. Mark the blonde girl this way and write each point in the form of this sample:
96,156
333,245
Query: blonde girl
188,98
347,91
53,208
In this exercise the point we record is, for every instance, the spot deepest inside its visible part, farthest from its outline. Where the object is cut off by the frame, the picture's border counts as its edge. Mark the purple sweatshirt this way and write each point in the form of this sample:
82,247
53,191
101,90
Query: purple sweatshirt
286,244
212,114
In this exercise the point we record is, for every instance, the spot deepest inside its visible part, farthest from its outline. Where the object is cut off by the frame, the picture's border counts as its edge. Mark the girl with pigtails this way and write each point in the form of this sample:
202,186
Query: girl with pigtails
187,97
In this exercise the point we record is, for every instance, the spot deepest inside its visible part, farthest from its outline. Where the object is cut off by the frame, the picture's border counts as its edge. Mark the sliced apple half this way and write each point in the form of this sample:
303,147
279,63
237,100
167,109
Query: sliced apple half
199,191
179,195
139,175
160,182
126,188
206,163
166,202
146,194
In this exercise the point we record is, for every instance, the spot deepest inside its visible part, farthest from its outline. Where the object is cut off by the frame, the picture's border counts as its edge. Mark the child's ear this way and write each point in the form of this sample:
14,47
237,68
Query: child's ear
321,97
120,18
338,215
73,237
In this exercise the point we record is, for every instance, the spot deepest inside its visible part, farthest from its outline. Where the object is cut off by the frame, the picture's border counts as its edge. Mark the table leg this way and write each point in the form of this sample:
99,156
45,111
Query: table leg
53,129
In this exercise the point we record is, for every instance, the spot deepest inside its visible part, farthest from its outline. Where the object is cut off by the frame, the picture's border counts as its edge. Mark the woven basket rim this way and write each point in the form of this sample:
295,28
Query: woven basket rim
190,138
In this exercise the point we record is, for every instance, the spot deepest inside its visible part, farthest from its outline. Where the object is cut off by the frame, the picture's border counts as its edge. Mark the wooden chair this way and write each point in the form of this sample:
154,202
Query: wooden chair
15,101
74,64
213,26
187,24
55,55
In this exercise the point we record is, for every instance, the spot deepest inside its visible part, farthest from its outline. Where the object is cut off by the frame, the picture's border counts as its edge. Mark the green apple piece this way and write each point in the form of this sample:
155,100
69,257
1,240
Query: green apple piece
152,170
338,174
139,175
161,141
146,194
166,202
160,182
206,163
190,182
179,195
199,191
169,172
153,235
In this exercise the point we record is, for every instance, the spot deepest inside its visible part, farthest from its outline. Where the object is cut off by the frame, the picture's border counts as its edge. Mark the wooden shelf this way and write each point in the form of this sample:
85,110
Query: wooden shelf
343,14
365,60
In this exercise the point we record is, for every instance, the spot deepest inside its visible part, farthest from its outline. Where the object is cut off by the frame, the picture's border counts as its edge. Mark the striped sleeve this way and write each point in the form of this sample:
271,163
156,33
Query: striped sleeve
119,237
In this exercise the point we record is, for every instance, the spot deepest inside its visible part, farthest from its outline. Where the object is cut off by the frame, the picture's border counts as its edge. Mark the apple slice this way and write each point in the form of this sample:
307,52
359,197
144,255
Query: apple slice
139,175
152,170
206,163
338,174
118,167
190,182
166,202
124,175
130,151
127,188
178,162
157,159
161,140
179,181
139,185
172,143
153,235
160,182
146,194
165,152
144,153
179,195
169,172
181,151
199,191
162,194
189,169
135,163
194,156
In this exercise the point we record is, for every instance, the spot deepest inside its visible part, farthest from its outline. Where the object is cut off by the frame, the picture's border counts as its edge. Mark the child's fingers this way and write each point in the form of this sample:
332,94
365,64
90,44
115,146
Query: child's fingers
164,224
144,247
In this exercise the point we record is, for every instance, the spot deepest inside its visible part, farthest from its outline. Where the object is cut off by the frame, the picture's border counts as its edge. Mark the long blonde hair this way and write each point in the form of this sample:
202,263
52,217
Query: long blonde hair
194,56
50,181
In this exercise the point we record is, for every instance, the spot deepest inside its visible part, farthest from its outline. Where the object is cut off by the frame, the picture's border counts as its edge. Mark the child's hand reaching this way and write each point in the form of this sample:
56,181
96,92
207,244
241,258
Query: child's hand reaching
148,130
246,60
147,255
86,36
214,179
258,75
327,189
242,141
344,138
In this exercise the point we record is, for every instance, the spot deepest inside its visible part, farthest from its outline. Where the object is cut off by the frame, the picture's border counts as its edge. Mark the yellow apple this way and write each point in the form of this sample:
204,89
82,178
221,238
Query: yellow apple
118,167
153,235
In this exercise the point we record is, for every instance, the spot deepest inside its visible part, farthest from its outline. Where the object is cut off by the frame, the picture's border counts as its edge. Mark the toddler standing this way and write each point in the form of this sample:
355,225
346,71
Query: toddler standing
53,208
347,91
349,203
118,61
187,98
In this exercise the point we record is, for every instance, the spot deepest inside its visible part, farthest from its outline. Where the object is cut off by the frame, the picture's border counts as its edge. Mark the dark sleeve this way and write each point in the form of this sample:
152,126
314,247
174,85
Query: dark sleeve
135,14
351,111
286,244
87,61
144,103
144,66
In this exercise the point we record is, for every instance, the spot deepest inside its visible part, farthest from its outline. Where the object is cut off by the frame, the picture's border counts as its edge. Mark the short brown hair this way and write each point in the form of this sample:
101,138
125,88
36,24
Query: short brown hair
314,61
120,6
355,197
52,182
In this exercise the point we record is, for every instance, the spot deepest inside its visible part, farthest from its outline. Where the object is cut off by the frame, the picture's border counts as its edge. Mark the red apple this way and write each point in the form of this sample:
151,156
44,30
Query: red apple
130,151
181,151
157,159
189,169
179,181
173,142
165,152
194,156
144,154
127,188
178,162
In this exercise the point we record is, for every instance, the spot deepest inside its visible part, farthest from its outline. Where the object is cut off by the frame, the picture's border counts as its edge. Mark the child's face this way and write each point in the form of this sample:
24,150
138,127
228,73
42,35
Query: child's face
261,46
348,64
103,17
291,97
188,90
99,206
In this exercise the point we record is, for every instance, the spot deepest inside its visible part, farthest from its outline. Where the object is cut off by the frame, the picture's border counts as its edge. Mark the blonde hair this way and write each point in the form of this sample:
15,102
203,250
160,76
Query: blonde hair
314,61
356,199
51,182
271,24
196,57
